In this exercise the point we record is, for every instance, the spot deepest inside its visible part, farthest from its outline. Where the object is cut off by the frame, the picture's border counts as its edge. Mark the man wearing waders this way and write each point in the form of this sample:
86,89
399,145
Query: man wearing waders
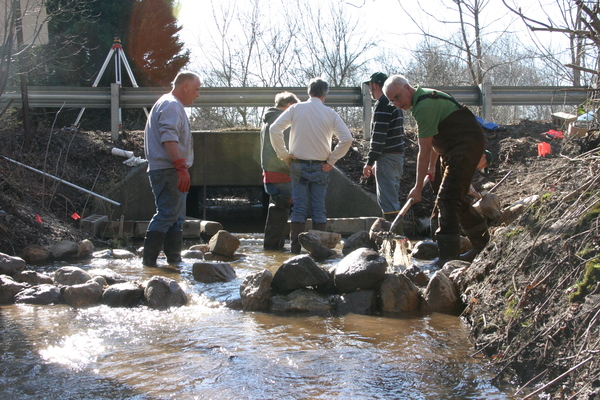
451,143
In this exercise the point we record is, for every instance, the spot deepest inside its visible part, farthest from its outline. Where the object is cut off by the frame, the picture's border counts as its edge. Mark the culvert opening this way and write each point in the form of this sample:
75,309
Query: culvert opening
238,209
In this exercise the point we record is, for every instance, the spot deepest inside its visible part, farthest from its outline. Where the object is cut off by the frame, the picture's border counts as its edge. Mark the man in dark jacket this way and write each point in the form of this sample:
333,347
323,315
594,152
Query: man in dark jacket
386,150
451,143
276,175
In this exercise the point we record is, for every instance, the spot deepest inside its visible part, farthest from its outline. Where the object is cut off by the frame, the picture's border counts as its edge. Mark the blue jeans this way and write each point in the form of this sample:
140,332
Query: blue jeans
309,187
169,201
388,171
276,190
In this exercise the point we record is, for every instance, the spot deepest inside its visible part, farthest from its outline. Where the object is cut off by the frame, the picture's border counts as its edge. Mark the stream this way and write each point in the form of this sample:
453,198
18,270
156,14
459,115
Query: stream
207,351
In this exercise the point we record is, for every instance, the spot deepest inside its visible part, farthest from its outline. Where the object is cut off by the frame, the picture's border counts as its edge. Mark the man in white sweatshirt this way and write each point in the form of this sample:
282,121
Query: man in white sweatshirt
309,156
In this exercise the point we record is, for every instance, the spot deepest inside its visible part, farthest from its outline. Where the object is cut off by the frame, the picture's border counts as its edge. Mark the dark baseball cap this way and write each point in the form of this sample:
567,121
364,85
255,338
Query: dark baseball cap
377,77
489,158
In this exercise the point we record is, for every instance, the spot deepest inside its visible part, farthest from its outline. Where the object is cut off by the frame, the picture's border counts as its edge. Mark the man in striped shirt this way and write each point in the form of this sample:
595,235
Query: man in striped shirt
386,152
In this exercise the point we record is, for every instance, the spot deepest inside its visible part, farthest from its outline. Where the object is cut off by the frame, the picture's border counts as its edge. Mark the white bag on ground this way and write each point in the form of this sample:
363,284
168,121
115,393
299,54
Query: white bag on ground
489,206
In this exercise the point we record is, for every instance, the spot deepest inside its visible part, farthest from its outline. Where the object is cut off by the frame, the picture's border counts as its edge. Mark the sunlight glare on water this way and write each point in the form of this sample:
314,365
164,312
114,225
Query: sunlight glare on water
207,351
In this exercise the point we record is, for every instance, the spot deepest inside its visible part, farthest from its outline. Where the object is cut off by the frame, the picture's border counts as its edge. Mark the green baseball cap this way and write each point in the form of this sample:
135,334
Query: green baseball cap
489,159
377,77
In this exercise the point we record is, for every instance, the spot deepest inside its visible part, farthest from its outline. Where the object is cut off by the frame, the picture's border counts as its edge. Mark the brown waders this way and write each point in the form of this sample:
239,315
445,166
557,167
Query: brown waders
460,143
277,217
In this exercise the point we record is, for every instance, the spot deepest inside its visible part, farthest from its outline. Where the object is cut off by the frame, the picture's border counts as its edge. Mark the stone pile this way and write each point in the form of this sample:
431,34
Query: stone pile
361,283
79,288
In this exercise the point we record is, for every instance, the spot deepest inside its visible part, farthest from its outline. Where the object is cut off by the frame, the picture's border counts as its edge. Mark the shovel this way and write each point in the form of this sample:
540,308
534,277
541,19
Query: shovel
397,224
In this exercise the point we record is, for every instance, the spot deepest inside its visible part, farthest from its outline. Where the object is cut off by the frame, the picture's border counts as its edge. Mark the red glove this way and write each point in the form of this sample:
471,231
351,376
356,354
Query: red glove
183,176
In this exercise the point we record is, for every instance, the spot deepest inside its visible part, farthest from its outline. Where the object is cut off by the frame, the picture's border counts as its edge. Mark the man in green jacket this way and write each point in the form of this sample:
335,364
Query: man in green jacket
451,143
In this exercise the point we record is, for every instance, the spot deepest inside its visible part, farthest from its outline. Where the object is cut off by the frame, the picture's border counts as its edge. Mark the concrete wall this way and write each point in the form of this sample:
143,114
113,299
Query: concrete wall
227,159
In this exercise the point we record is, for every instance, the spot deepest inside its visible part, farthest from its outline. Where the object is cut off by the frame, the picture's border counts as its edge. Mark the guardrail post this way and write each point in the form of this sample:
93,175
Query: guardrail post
367,111
486,100
115,111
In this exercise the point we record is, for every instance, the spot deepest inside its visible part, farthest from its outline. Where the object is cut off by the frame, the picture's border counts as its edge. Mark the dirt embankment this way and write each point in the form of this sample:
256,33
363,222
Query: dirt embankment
521,294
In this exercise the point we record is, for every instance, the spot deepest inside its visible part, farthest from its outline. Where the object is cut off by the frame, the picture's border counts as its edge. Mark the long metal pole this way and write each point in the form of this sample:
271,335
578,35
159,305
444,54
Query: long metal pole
63,181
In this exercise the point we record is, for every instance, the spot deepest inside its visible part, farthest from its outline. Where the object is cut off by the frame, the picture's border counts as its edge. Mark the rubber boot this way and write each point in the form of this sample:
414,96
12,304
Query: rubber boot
479,237
172,247
152,246
275,225
296,228
320,227
391,216
449,248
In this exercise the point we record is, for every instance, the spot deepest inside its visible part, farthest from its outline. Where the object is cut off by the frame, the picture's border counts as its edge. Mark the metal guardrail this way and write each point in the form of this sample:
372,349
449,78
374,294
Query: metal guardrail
130,97
486,96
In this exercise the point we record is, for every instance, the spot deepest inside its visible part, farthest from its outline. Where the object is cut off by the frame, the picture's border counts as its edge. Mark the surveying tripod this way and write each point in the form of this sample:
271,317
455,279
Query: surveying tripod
117,51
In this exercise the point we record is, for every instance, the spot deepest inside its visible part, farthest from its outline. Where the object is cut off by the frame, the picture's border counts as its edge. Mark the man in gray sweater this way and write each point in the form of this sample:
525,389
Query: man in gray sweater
169,149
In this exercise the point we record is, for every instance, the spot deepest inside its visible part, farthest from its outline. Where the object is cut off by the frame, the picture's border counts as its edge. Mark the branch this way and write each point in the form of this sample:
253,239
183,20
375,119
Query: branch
563,30
558,378
580,68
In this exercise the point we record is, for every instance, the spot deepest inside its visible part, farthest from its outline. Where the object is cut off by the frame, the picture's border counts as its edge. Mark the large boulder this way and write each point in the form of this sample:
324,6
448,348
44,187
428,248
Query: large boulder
43,294
362,302
71,276
9,265
299,272
32,277
223,243
211,272
86,247
65,250
121,254
255,291
425,250
9,289
398,294
312,243
441,295
453,265
380,226
197,254
162,293
209,228
126,294
36,254
83,295
416,276
301,301
356,241
329,239
111,277
362,269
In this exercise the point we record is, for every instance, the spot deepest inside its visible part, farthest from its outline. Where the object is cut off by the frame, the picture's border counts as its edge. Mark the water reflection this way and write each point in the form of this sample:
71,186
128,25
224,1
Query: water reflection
206,351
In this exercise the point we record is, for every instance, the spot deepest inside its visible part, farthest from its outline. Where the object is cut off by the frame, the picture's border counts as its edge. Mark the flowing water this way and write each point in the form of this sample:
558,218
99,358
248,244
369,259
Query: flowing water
207,351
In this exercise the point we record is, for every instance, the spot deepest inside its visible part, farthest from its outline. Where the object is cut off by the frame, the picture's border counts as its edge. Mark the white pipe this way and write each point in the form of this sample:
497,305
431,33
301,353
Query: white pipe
120,152
63,181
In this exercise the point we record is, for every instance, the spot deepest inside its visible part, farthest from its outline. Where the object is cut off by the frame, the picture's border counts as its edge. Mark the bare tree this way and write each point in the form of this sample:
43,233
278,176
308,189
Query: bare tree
334,45
473,38
579,21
